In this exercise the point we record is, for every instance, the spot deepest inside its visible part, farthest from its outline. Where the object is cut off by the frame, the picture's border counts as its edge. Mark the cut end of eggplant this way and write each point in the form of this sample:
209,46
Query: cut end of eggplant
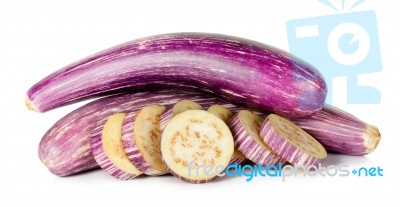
112,144
147,137
221,112
251,123
245,127
291,142
193,141
372,136
185,105
108,151
30,105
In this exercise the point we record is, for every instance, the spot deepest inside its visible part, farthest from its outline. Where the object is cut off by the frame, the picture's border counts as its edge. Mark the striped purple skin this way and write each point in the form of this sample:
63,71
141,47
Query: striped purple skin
165,117
341,132
285,149
240,71
249,147
65,148
128,141
102,159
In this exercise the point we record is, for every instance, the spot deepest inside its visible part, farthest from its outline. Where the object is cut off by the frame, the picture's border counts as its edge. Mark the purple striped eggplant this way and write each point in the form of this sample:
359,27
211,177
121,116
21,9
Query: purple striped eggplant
291,142
65,148
107,149
245,129
240,71
341,132
141,138
196,146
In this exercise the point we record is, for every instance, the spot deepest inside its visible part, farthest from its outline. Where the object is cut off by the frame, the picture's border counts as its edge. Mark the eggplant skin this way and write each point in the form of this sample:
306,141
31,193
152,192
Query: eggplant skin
240,71
65,148
340,132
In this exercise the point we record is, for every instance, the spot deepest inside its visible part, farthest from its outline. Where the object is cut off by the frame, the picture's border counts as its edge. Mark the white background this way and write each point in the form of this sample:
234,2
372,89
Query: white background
38,37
